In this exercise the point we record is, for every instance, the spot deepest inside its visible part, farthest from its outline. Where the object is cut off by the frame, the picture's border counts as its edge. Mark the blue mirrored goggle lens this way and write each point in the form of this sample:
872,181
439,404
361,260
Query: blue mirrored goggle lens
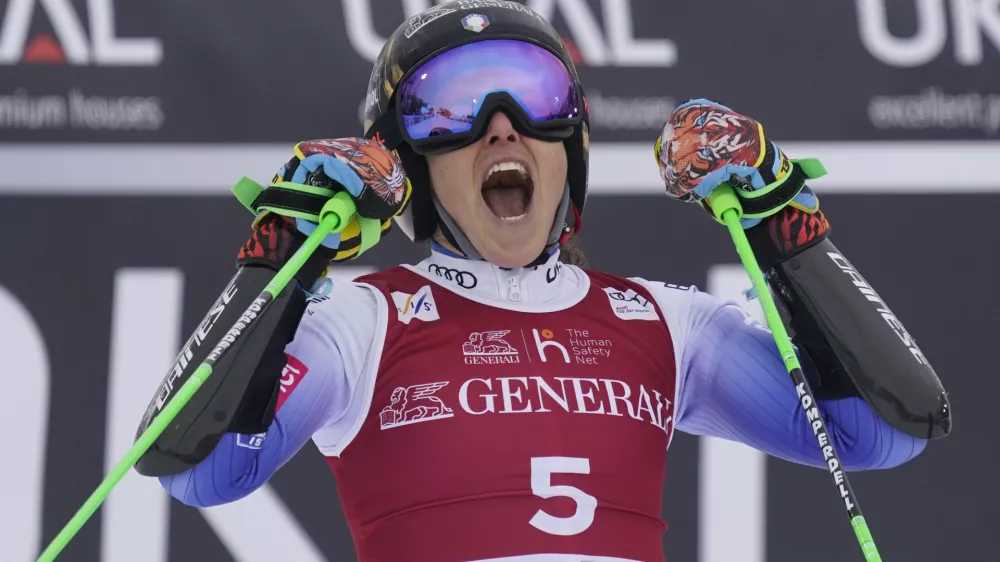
445,94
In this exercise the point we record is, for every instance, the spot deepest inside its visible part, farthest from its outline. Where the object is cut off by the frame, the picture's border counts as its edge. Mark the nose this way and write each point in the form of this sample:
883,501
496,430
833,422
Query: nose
501,130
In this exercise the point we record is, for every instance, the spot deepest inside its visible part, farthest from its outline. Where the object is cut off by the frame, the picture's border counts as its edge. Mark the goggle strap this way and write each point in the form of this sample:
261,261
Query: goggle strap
453,233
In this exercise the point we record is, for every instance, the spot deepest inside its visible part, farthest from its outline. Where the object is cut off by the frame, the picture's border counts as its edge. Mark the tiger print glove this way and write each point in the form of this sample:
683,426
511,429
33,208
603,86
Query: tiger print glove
365,169
704,144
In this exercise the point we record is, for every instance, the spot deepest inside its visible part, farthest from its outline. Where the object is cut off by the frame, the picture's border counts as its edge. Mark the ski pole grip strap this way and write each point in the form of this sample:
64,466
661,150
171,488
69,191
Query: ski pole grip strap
246,191
284,198
772,198
293,200
371,233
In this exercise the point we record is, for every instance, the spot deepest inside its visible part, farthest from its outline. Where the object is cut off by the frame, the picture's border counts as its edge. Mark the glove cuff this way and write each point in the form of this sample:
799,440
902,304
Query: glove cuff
787,233
275,238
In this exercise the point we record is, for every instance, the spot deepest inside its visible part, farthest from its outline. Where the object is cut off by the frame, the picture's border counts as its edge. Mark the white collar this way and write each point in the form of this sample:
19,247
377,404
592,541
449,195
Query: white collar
545,288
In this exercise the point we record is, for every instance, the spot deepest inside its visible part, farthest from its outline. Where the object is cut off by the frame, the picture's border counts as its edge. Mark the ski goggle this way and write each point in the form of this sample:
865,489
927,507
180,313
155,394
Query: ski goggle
446,102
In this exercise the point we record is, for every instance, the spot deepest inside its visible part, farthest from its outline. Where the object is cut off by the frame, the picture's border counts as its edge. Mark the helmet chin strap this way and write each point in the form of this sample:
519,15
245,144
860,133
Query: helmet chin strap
454,234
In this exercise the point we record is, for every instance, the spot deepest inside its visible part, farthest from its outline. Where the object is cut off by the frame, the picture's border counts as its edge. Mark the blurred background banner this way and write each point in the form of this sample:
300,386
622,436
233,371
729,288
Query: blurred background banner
245,71
122,124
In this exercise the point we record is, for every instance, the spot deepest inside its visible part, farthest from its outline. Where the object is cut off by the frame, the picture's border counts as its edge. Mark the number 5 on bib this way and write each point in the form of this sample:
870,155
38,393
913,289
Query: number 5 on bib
542,469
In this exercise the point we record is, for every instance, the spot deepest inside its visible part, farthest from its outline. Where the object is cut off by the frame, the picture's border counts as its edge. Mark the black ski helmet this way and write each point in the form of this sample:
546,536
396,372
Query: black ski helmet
434,31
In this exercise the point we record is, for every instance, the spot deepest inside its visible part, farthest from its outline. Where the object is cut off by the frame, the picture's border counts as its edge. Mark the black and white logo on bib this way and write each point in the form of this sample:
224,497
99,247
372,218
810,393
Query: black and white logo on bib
463,279
552,273
629,305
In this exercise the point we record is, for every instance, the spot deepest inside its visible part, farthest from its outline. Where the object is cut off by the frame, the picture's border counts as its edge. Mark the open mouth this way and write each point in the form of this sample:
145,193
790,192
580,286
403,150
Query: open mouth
507,190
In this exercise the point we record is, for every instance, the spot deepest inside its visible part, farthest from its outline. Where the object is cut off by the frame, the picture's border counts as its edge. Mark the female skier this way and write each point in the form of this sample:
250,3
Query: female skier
496,402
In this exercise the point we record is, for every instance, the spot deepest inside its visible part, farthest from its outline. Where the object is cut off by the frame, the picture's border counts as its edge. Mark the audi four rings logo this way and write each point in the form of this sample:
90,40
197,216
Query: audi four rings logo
634,297
463,279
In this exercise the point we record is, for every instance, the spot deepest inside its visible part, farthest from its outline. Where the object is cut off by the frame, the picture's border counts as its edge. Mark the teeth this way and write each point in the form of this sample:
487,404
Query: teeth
512,219
505,166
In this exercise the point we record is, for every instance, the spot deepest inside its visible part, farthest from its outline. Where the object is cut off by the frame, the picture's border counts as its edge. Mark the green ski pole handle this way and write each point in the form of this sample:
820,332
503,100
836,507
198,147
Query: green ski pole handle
726,207
336,214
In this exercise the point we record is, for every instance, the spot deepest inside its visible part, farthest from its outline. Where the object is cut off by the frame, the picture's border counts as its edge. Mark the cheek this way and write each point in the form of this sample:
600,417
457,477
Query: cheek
450,172
551,159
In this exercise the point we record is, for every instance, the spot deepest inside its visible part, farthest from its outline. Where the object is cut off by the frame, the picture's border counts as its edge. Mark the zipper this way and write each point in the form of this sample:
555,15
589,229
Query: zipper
514,289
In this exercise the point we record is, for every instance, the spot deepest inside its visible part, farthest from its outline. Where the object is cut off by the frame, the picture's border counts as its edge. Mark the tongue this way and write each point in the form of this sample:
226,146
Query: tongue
506,202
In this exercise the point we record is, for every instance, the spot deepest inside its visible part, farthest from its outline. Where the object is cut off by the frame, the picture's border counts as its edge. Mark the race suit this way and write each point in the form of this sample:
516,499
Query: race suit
471,412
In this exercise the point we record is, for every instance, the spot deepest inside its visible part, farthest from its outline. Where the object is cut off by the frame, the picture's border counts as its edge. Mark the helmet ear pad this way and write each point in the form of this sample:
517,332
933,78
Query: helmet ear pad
577,163
422,212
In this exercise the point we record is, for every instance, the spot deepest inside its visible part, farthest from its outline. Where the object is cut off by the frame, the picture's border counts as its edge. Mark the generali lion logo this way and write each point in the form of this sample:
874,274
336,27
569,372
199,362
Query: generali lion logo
414,404
488,343
489,348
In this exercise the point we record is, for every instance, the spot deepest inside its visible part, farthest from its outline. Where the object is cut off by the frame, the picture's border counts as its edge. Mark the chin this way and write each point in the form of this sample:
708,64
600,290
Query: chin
512,254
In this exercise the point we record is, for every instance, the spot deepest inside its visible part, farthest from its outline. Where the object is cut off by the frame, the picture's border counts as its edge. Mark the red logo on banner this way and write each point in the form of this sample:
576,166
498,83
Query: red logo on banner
291,376
44,49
